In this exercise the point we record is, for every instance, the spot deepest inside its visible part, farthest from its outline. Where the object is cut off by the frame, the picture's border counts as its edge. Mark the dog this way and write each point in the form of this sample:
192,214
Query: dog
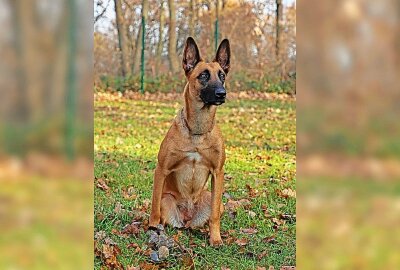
193,149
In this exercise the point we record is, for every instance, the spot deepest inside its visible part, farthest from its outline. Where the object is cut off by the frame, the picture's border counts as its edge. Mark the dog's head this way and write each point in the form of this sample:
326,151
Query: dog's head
207,80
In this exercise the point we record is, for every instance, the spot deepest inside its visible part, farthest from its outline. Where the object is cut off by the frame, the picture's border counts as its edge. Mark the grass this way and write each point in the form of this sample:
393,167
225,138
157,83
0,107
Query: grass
260,145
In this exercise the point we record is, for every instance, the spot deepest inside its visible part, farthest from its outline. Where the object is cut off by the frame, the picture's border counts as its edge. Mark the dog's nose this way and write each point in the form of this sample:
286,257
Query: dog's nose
220,93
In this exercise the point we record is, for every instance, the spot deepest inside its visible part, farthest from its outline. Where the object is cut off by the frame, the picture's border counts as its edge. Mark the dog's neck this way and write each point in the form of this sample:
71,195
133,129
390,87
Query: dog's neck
198,118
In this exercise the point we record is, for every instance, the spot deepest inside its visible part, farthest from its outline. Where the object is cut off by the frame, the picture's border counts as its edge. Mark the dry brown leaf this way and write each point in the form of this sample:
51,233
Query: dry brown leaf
242,241
148,266
262,255
270,239
131,267
129,193
131,229
109,256
101,183
118,208
252,192
187,261
278,221
249,231
287,192
233,205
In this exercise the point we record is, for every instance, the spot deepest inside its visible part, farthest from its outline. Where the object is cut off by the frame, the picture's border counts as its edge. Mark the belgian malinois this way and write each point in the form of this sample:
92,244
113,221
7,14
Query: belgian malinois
193,149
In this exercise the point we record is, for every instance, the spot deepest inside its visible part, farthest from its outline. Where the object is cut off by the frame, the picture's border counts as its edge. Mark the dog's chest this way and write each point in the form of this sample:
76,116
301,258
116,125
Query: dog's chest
192,175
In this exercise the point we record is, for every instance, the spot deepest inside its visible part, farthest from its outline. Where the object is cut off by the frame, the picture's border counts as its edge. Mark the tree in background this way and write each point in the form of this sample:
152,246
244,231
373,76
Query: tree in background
136,63
122,38
160,37
172,56
277,25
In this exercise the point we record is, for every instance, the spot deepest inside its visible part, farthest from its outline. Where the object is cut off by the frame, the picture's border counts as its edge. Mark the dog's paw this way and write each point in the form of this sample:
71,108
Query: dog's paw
154,221
216,242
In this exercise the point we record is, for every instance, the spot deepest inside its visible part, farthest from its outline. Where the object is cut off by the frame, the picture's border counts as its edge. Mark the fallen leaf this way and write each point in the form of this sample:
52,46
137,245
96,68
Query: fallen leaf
102,184
278,221
109,256
129,193
287,192
148,266
262,255
233,205
242,241
288,268
132,245
270,239
290,218
131,229
187,261
109,241
252,214
100,235
252,192
131,267
118,208
99,216
249,231
261,268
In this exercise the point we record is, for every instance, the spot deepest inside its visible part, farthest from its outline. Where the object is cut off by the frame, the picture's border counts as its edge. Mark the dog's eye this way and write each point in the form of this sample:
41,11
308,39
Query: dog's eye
222,76
204,76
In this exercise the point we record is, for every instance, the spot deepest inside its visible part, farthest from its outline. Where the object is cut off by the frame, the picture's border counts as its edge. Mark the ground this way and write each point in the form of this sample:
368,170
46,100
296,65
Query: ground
258,226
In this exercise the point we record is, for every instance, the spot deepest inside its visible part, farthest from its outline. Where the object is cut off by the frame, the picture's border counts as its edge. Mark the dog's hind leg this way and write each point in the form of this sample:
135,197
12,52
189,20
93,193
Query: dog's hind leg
203,210
170,213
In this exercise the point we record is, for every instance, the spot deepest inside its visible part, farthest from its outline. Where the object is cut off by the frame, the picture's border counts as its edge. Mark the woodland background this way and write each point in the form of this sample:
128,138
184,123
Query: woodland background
262,36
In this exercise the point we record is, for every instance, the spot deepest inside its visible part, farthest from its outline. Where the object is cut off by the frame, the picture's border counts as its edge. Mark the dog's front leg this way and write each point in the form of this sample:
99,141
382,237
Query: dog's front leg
217,182
159,179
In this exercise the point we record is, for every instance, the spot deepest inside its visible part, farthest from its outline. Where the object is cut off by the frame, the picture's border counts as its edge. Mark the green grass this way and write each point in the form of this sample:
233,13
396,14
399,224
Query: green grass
260,145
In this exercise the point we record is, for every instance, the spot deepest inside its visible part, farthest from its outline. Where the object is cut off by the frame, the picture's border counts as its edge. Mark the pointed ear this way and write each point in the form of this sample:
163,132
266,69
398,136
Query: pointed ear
191,55
223,55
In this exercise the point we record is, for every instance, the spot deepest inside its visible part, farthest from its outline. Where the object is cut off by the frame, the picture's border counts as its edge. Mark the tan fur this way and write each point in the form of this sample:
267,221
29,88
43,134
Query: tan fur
191,152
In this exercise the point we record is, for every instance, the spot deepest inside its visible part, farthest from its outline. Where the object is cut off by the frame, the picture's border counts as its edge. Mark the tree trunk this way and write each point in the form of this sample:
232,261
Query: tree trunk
160,38
122,38
191,18
29,105
138,47
173,58
277,24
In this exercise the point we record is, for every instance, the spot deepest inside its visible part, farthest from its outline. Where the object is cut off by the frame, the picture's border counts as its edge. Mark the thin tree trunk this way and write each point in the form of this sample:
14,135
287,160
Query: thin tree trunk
277,24
191,18
138,47
29,82
160,38
173,58
122,38
278,42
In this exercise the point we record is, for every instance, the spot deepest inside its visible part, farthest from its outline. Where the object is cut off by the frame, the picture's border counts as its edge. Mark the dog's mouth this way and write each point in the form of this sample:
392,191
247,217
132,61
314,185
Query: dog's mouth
219,102
209,98
214,102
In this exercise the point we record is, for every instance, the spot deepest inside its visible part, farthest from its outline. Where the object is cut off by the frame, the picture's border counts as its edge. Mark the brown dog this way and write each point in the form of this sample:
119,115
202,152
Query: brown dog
193,149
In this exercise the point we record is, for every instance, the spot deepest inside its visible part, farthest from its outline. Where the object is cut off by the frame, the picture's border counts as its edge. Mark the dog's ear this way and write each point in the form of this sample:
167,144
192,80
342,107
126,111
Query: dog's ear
191,55
223,55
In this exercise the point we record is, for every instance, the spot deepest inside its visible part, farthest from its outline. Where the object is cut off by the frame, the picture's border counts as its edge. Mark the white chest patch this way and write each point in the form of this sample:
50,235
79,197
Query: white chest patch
194,156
